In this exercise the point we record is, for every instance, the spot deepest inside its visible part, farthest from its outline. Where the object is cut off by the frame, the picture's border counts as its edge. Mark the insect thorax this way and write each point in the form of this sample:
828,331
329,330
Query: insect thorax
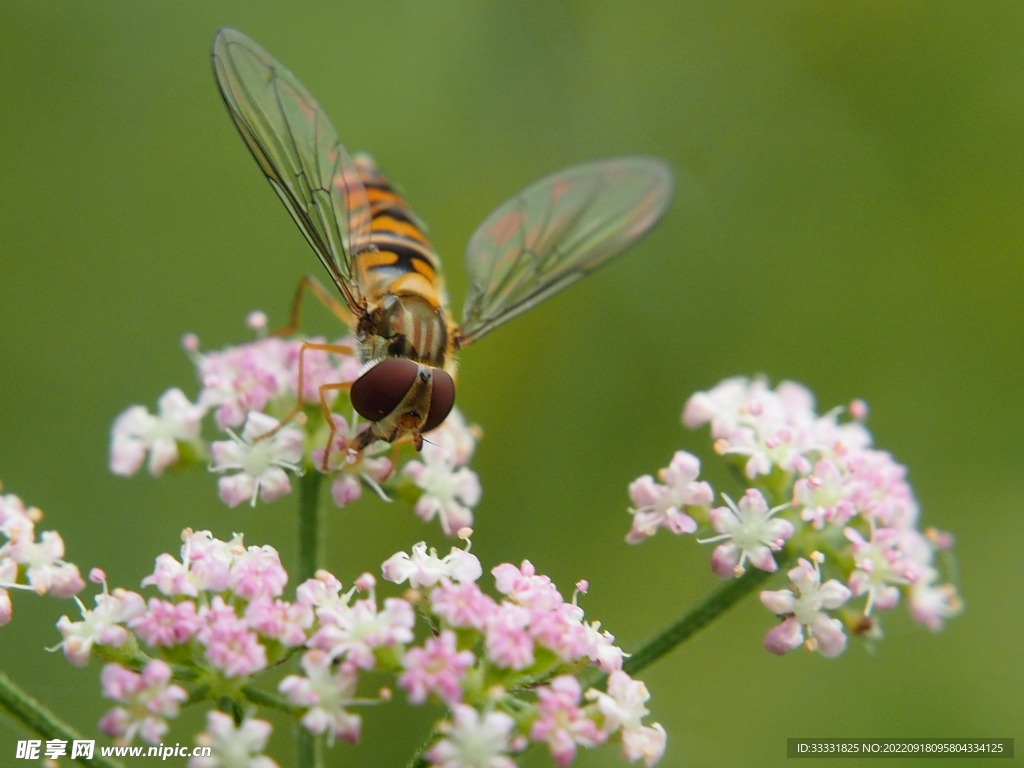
404,326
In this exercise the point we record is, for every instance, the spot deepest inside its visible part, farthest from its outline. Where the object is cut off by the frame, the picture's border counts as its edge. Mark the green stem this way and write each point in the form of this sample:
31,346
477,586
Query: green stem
309,524
309,748
271,700
36,717
419,758
713,606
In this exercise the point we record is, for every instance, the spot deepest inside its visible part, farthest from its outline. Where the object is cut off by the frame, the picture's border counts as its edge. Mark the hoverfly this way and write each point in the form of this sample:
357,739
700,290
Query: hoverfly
548,236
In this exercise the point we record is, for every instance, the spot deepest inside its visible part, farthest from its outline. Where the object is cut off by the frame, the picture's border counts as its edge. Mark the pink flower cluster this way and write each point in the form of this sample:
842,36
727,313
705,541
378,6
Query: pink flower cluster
449,488
28,563
832,489
529,639
148,698
505,666
221,614
249,389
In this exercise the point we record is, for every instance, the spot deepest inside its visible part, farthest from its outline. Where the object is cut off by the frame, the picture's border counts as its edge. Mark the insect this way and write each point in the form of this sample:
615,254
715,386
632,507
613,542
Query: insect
545,238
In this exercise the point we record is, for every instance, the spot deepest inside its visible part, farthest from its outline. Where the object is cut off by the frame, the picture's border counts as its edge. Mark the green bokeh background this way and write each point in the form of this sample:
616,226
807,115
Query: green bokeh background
850,214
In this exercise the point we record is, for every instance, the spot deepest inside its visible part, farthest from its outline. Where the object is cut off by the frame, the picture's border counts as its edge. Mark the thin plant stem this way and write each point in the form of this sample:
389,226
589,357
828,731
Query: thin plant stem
690,623
309,524
309,747
273,701
674,635
38,718
419,758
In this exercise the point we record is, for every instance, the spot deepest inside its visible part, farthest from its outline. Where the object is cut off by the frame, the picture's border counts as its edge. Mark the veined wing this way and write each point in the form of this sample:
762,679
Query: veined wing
299,151
556,231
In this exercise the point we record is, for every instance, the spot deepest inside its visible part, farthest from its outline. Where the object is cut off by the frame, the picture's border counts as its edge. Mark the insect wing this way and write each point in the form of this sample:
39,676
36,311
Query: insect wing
556,231
299,151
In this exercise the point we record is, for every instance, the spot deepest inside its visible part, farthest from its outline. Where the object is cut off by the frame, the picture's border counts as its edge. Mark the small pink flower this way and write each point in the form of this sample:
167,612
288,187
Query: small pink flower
205,565
425,569
230,645
170,577
166,624
149,698
562,631
561,723
880,491
723,401
6,607
462,606
260,464
623,707
769,427
351,633
660,505
509,644
136,431
257,320
602,649
240,379
322,591
352,468
258,573
805,610
233,746
280,620
525,587
345,489
930,603
100,626
365,582
472,741
823,496
879,566
449,492
644,743
326,693
457,437
16,522
436,668
45,569
749,533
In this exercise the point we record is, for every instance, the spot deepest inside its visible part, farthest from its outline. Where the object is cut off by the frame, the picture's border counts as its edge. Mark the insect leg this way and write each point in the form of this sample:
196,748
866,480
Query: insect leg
321,293
341,386
338,349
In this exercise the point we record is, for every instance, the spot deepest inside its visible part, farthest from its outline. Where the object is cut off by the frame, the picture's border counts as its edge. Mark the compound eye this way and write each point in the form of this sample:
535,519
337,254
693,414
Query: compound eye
378,392
442,398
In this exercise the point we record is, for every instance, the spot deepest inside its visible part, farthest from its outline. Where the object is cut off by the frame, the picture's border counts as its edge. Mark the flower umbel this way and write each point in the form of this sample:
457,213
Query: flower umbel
833,495
255,387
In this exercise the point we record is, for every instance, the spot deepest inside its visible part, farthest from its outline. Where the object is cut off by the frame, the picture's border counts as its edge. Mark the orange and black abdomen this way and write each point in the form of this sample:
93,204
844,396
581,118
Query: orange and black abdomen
401,280
404,263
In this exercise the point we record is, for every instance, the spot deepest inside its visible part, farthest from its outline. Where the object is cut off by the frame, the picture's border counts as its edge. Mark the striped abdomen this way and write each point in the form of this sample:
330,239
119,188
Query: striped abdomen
404,263
401,278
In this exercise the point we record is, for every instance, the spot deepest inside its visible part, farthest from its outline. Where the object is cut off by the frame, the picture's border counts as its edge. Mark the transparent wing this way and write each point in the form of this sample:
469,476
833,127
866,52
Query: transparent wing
556,231
298,150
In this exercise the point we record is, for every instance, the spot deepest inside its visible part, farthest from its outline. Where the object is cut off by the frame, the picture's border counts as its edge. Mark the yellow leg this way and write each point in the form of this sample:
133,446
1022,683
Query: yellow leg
338,349
325,298
343,386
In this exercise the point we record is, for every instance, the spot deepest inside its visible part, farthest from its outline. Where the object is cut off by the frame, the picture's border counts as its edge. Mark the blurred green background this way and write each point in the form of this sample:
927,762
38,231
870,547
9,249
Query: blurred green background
850,214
